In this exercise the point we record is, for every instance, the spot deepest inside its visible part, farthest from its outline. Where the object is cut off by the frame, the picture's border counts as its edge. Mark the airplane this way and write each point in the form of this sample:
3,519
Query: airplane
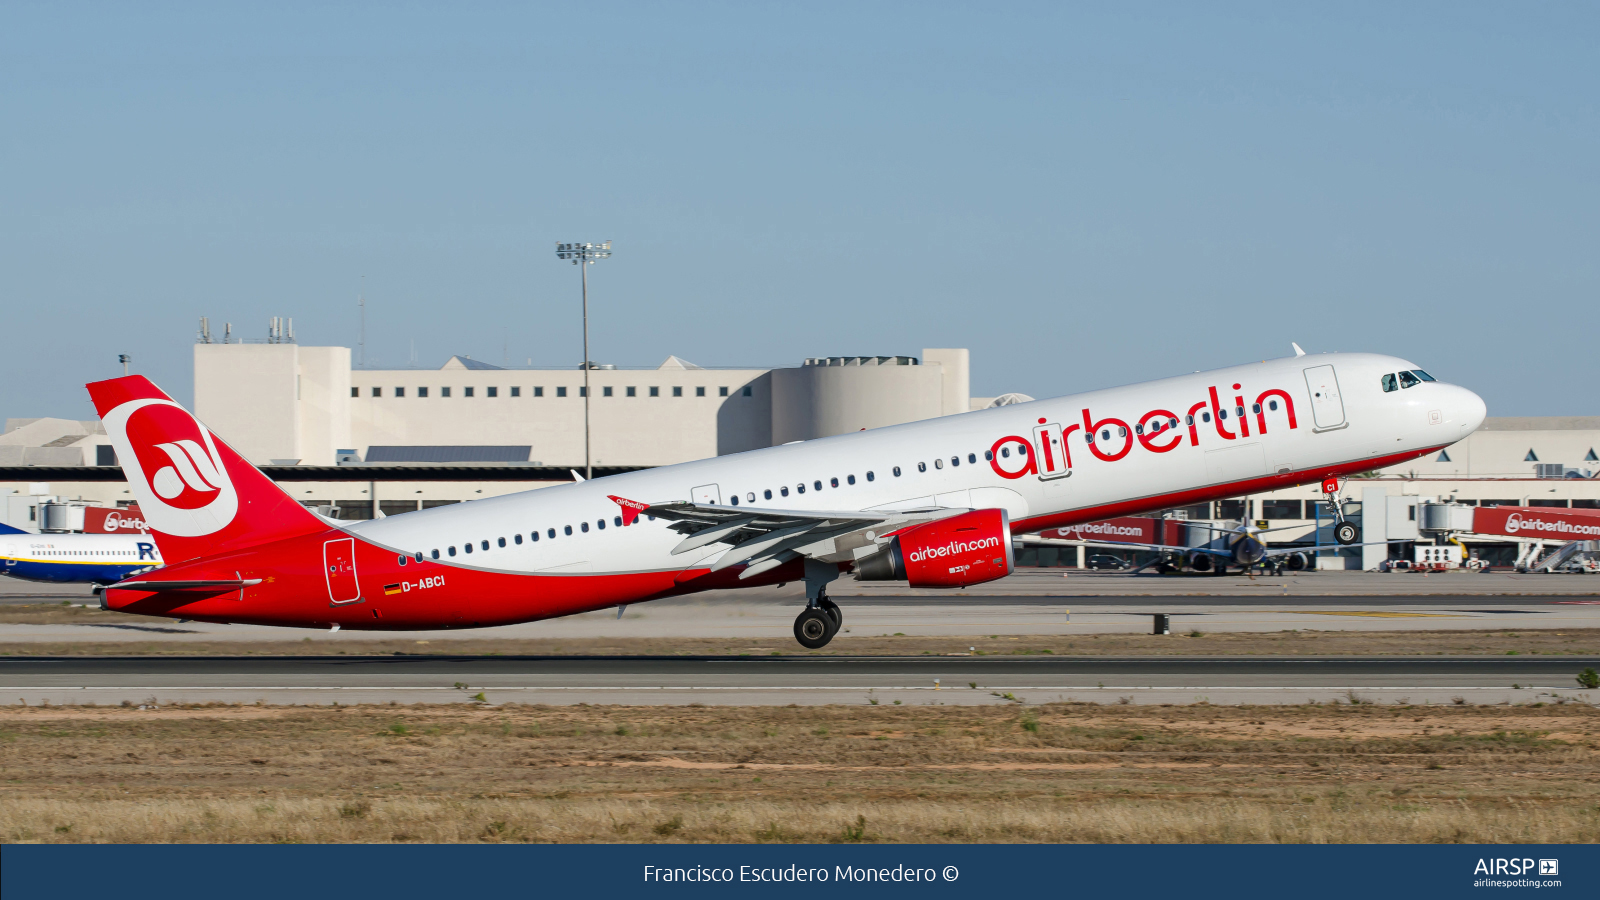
933,503
96,559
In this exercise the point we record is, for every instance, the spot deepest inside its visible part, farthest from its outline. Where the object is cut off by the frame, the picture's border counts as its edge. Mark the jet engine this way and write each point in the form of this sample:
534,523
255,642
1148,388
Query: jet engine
969,548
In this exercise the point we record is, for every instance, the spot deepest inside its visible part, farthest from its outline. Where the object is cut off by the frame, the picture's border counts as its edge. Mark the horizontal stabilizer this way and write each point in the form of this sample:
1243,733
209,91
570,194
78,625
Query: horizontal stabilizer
230,584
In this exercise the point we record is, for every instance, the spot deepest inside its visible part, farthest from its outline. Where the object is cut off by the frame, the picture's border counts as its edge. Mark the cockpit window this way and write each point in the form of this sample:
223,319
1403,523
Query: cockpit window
1422,375
1408,380
1389,384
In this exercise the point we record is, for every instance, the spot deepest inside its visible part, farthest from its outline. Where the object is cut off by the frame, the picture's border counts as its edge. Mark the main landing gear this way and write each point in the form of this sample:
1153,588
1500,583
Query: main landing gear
821,619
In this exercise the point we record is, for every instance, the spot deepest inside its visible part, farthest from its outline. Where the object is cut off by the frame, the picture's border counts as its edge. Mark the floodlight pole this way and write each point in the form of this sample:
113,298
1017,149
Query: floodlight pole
584,255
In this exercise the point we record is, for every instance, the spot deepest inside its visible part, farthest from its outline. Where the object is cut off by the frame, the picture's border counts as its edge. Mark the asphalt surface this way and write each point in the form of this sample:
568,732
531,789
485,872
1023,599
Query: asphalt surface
783,680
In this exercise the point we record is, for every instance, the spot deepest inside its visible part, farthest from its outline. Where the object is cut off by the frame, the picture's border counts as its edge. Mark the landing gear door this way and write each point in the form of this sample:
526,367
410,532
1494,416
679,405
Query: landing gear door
1327,408
1051,452
707,493
339,565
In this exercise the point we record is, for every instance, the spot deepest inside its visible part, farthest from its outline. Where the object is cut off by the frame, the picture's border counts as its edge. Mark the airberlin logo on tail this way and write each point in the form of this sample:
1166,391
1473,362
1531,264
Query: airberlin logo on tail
954,548
173,466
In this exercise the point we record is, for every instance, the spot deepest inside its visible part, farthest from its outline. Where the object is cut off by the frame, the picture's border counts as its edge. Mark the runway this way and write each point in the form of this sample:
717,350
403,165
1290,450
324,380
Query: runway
784,680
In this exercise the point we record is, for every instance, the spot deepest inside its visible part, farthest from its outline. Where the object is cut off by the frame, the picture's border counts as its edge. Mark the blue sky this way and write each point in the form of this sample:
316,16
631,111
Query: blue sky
1083,195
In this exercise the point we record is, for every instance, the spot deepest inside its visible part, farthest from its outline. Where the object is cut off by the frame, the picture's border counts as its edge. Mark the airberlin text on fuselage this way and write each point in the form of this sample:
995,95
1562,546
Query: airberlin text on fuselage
953,548
1158,431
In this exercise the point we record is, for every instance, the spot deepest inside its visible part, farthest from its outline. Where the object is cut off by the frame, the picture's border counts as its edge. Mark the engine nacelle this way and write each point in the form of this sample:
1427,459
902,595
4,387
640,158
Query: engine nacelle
970,548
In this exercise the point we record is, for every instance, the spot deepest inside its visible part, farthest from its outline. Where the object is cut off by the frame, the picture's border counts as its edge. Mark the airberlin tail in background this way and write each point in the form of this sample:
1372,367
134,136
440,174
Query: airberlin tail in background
198,496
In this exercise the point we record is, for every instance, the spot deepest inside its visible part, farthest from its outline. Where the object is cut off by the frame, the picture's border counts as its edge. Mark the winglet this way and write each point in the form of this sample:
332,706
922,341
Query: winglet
630,508
1297,351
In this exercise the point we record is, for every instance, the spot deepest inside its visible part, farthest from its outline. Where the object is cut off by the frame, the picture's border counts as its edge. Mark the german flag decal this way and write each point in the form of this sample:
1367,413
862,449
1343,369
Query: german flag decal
391,589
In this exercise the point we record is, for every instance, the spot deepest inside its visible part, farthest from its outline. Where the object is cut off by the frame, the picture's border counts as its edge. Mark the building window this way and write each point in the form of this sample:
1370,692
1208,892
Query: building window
677,392
355,392
466,392
377,392
422,392
538,391
561,392
746,390
655,392
605,392
722,392
699,392
516,392
493,392
633,392
583,391
444,392
399,392
1281,509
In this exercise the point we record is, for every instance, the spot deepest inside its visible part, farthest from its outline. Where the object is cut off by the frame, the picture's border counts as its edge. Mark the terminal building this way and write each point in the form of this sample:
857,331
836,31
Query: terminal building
387,441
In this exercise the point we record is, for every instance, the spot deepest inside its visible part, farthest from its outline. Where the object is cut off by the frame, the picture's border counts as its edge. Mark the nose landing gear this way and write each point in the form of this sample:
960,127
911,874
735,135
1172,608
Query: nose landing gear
1344,532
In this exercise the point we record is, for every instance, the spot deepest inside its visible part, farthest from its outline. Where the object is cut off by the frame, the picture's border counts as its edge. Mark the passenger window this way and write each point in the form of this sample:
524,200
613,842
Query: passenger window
751,497
552,533
834,481
517,538
1389,384
452,551
1271,404
467,547
419,555
938,464
801,488
486,545
1139,429
404,559
584,526
955,460
849,479
1256,408
1422,375
435,554
600,523
1408,380
988,455
897,471
617,521
1205,417
922,467
567,529
735,499
870,476
502,543
783,491
972,458
817,485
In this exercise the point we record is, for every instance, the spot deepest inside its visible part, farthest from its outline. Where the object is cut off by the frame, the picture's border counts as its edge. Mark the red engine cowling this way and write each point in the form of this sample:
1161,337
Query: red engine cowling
971,548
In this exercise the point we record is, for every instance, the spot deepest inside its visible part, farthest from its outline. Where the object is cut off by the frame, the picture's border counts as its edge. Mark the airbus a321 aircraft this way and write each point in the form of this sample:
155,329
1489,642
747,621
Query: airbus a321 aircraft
933,503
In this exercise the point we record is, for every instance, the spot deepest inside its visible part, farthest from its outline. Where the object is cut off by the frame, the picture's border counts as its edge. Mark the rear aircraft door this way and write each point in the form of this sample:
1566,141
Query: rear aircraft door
707,493
339,564
1327,408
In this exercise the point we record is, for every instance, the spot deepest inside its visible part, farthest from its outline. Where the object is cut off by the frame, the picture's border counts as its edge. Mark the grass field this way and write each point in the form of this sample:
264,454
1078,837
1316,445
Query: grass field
1065,772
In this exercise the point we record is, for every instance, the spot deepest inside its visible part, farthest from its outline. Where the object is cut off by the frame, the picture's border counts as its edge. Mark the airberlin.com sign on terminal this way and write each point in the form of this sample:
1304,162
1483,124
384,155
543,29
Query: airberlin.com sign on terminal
1537,522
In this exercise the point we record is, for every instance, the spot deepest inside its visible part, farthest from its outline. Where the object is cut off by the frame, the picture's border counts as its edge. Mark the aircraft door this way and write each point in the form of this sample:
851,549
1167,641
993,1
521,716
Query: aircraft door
707,493
1327,408
1050,449
339,565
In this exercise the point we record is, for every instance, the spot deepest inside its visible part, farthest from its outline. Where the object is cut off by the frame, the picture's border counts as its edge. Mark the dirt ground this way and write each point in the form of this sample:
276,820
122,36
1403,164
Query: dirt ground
1062,773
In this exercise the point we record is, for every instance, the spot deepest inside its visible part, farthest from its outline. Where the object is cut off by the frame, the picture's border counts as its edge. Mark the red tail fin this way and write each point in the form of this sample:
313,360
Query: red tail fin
199,496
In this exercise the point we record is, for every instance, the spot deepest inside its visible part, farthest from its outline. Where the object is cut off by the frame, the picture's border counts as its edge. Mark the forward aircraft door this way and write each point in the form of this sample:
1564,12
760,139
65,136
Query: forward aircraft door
339,564
1326,406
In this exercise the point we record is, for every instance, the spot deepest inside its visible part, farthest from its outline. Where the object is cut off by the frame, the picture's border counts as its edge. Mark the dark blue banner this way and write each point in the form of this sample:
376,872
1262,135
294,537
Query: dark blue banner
344,872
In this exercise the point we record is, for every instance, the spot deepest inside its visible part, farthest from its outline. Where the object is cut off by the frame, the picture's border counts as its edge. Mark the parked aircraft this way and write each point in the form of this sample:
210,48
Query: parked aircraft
75,558
1241,547
934,503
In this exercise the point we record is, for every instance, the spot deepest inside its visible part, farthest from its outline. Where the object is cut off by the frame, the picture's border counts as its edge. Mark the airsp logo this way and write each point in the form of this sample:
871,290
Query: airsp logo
173,466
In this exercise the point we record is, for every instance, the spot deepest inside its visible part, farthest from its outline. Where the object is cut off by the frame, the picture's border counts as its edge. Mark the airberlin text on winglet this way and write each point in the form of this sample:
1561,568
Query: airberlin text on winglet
1158,431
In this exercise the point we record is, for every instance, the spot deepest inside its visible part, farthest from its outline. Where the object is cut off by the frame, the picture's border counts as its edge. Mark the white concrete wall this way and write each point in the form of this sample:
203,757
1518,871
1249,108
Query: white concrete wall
819,401
956,378
324,392
1499,448
245,393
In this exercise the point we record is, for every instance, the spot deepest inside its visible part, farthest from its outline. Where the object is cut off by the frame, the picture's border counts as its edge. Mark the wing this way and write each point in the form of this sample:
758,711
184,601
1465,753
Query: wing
763,539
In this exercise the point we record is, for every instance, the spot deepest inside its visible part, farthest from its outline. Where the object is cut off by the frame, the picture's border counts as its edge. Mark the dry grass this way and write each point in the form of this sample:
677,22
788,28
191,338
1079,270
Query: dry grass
1564,642
1064,772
